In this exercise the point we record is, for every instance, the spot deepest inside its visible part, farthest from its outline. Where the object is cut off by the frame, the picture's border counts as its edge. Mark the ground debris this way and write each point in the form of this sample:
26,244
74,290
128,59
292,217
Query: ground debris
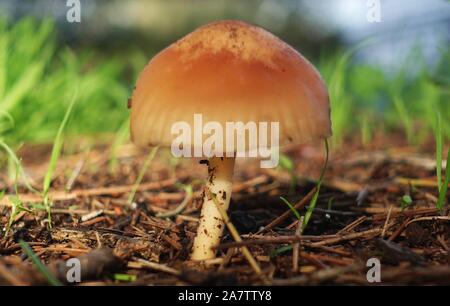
393,253
358,216
93,265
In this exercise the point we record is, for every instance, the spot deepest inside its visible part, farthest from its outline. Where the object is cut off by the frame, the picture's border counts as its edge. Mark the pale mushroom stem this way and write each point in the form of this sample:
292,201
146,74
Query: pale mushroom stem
211,224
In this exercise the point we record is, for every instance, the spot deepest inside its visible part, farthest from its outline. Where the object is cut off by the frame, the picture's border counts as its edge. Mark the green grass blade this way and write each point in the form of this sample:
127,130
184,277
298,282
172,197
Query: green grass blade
313,201
144,168
405,118
280,250
4,48
17,164
22,86
17,205
286,163
291,207
125,277
56,152
7,116
438,136
121,137
57,145
52,280
443,191
311,207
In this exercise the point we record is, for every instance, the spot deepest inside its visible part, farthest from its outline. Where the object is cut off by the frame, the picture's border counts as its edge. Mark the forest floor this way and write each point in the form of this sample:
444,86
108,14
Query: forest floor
358,216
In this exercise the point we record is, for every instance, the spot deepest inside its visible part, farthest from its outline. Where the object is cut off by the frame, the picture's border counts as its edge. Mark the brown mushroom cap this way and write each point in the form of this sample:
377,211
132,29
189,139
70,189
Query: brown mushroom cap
230,71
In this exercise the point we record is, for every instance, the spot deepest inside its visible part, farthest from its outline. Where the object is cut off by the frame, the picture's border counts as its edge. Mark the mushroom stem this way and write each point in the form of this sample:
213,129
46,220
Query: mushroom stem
211,226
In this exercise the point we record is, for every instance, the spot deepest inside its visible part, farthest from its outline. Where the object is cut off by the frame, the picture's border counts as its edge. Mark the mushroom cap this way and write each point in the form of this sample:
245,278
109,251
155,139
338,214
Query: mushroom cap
230,71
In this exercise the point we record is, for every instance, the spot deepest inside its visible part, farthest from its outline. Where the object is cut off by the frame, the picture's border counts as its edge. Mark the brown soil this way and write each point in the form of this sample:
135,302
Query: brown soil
358,216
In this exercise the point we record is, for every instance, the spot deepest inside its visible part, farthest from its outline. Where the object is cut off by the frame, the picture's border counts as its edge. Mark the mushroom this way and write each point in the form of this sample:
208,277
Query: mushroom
227,71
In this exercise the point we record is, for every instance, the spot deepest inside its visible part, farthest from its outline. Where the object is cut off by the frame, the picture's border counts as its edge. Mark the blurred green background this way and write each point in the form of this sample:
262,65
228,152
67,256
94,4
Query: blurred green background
384,77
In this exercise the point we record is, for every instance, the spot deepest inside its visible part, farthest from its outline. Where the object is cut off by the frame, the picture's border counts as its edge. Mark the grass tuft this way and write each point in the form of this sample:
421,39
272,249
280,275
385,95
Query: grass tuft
313,202
444,186
56,152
